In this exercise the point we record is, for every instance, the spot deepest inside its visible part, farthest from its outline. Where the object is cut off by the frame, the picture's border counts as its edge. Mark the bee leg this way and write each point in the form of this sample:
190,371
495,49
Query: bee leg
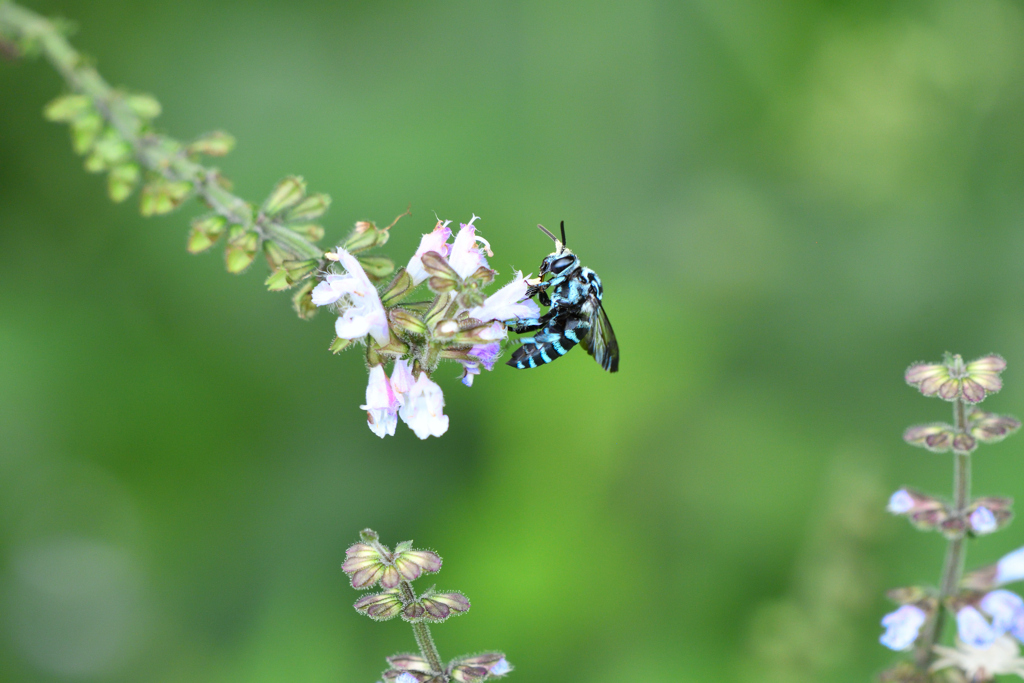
528,324
543,298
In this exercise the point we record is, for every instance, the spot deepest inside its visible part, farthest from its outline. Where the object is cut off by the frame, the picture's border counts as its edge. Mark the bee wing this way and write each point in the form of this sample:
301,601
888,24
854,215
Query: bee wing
600,341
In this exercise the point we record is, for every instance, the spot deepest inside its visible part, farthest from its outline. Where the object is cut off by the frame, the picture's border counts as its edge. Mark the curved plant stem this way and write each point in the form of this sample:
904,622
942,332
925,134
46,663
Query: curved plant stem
157,153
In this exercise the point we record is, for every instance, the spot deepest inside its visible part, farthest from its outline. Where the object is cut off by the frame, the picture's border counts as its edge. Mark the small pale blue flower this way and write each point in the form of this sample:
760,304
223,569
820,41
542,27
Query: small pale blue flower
900,502
902,627
973,629
983,521
1010,567
406,677
1005,608
500,667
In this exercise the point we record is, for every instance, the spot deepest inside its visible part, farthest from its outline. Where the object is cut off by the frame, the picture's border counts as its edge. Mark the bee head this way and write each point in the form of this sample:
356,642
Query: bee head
561,258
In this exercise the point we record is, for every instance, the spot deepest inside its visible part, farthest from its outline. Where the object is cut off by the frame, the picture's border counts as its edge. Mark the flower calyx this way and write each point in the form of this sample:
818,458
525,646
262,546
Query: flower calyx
467,669
952,379
369,563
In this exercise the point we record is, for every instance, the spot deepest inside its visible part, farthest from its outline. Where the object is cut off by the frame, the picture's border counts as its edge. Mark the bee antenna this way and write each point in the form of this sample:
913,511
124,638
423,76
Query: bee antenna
547,232
563,235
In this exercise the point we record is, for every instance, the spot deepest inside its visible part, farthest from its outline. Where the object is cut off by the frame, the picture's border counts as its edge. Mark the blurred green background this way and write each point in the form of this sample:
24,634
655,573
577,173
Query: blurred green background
788,203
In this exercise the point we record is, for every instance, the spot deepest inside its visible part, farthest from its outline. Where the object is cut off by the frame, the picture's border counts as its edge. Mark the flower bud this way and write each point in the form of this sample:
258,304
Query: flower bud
84,131
311,231
215,144
365,235
205,231
400,286
380,606
991,428
111,148
340,344
437,607
953,527
274,253
368,536
67,108
436,312
302,300
377,267
122,180
241,249
443,277
407,322
936,437
277,281
145,106
310,208
162,196
300,270
286,194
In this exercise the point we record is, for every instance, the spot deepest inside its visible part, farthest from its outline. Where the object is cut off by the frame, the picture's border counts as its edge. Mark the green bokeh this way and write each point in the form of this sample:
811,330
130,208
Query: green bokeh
788,203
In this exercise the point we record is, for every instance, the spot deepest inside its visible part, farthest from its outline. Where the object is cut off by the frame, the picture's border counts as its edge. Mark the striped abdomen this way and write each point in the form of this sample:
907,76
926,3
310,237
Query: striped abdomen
550,342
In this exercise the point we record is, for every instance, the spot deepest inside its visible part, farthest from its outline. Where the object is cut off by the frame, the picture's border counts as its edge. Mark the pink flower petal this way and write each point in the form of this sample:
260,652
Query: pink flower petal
992,363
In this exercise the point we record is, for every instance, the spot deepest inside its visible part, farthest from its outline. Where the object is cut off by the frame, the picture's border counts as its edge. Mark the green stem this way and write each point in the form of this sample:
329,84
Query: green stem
422,633
953,565
160,154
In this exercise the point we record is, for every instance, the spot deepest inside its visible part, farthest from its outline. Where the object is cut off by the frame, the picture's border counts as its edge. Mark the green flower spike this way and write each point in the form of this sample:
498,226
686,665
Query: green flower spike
953,379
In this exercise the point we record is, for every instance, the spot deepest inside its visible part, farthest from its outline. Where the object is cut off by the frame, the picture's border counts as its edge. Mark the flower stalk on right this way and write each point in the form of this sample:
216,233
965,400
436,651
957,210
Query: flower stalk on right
988,619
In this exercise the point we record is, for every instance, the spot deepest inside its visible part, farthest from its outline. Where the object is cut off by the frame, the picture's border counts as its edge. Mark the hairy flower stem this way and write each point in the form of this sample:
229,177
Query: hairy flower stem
953,565
158,153
422,633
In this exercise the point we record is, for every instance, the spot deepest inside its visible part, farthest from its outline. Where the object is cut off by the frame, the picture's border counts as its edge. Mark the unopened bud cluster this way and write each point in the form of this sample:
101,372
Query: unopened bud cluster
989,619
369,564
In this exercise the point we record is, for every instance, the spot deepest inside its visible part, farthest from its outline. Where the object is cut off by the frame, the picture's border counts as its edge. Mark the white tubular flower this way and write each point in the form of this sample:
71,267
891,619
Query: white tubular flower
437,240
507,303
981,663
381,404
465,256
422,408
362,312
401,380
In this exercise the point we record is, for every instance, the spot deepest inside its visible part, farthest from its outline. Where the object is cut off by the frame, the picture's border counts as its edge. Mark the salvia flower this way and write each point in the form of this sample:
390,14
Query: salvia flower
436,607
1006,609
359,304
982,663
901,502
381,403
507,303
1010,567
422,408
983,521
953,379
436,241
973,628
466,257
902,627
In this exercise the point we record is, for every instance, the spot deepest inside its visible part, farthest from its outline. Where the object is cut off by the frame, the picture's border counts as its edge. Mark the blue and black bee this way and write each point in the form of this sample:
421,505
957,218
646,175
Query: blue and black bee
575,315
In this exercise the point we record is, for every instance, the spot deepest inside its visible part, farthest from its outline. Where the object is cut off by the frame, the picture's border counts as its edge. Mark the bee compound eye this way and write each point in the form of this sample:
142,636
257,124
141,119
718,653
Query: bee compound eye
561,264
